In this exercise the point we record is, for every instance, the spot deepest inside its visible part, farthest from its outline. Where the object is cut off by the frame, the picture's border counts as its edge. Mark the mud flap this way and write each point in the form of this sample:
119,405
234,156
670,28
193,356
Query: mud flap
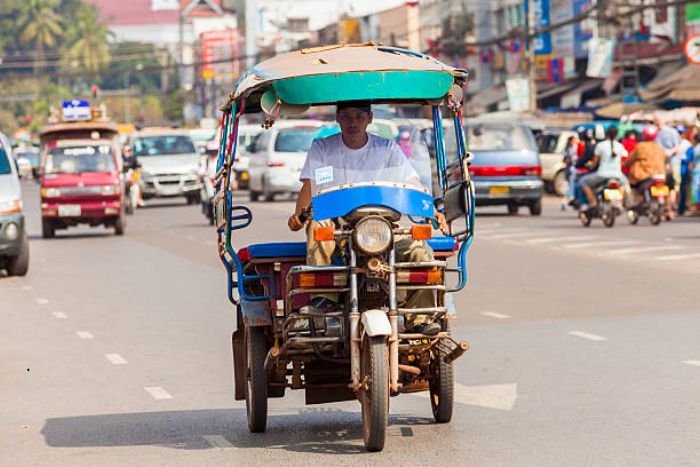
238,348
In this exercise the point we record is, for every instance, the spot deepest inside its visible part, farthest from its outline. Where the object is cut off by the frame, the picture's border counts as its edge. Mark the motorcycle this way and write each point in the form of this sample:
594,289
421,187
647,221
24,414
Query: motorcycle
654,192
609,199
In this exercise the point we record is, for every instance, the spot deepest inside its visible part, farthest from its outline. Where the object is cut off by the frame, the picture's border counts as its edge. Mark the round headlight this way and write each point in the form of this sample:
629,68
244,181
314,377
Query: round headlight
373,235
11,231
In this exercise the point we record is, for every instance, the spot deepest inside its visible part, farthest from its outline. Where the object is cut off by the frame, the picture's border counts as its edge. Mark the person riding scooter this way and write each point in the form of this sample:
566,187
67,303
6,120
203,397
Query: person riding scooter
354,151
607,157
647,160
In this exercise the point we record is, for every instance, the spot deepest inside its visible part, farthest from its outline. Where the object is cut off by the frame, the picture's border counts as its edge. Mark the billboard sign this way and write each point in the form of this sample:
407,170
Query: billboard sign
220,54
583,30
76,110
543,19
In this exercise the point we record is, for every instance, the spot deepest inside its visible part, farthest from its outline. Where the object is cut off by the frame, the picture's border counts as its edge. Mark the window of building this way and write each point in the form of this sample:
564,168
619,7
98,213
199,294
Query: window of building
298,24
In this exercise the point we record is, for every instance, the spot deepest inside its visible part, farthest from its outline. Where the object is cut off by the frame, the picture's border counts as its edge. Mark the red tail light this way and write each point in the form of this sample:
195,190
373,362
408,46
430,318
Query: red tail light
505,171
275,164
659,181
613,184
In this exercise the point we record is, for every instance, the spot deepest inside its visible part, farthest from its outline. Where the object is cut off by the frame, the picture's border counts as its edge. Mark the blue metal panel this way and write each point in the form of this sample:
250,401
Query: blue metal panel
341,202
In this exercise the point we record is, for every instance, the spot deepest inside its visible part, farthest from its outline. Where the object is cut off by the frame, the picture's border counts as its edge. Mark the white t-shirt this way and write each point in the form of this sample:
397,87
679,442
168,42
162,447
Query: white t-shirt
331,163
610,166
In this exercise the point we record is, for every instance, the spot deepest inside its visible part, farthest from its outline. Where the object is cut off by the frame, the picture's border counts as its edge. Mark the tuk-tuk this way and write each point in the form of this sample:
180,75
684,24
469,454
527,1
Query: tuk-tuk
81,171
363,349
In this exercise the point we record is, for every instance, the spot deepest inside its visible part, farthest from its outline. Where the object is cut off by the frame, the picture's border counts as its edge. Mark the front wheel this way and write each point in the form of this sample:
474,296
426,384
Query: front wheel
585,217
19,265
560,183
536,207
374,374
120,224
256,379
442,387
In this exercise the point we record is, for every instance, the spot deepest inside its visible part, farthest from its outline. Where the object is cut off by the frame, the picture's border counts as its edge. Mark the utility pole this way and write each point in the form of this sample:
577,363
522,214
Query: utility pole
529,11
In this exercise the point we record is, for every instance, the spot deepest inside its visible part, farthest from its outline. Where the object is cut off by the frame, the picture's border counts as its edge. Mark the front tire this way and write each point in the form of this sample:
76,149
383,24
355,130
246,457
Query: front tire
19,265
585,217
120,224
256,379
442,387
374,372
560,183
535,207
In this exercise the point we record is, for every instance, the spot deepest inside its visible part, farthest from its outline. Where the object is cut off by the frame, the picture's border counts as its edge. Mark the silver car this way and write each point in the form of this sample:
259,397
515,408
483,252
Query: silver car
169,164
14,246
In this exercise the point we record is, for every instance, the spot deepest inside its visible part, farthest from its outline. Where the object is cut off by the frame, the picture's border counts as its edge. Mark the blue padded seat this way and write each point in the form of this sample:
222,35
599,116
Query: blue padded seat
298,249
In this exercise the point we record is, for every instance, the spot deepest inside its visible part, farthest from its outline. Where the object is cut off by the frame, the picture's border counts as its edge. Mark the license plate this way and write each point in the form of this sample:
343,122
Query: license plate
499,190
659,191
612,195
69,210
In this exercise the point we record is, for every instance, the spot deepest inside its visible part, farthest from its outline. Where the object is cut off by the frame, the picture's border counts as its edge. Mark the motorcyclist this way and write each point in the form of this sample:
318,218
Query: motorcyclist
607,157
353,151
648,159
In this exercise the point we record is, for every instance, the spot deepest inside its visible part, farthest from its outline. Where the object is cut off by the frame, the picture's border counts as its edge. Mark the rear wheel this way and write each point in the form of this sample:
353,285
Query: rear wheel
19,265
632,216
256,379
512,209
609,215
442,387
120,224
47,229
535,207
267,194
374,373
560,183
655,213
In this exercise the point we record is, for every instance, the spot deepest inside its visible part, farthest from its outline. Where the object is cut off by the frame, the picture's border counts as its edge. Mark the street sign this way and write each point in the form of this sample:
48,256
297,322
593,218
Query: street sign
76,109
691,48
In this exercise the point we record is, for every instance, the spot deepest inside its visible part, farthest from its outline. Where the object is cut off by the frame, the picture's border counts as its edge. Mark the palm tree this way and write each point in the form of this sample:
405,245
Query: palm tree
87,42
40,25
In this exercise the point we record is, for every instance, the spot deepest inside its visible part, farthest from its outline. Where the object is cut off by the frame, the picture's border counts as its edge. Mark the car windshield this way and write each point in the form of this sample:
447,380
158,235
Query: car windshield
80,159
163,145
547,143
481,137
295,139
4,162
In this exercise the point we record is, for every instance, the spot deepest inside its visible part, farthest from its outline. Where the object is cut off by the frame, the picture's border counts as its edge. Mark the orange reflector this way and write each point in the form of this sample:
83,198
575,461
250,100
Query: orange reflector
422,232
432,277
307,280
323,234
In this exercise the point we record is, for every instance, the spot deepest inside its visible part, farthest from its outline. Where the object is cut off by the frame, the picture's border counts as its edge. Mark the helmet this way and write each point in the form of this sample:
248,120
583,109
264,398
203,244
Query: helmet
649,133
405,135
680,129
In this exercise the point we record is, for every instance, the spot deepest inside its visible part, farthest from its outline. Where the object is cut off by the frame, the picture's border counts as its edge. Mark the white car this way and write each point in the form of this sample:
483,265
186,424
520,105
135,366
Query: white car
552,144
14,246
277,155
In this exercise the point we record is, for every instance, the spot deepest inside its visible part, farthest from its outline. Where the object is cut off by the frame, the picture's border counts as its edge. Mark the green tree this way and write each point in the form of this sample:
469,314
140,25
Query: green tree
40,25
87,45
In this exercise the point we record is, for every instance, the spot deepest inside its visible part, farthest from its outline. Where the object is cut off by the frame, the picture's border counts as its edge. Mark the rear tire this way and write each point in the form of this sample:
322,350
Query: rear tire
120,224
609,216
536,208
560,183
632,217
19,265
47,229
267,195
655,213
254,195
374,370
256,379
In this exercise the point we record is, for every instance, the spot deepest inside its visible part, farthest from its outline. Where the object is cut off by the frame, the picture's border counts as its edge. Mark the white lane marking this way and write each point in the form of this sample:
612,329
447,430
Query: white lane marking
514,234
85,335
218,441
158,392
493,314
492,396
677,257
536,241
42,301
607,243
115,358
588,335
489,226
692,362
641,249
26,287
189,237
59,315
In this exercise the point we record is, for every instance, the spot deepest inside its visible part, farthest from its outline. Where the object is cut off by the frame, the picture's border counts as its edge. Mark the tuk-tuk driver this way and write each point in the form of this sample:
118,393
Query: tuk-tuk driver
358,156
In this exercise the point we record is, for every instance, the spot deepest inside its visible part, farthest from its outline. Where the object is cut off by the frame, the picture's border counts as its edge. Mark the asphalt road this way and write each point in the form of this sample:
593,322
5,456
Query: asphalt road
116,351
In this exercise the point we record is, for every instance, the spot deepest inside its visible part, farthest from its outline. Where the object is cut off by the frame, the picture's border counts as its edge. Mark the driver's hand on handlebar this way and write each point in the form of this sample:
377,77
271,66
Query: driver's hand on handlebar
294,223
442,223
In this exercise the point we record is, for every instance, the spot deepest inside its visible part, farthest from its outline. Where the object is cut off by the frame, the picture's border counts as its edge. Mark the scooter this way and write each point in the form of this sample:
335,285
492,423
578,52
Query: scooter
609,205
654,192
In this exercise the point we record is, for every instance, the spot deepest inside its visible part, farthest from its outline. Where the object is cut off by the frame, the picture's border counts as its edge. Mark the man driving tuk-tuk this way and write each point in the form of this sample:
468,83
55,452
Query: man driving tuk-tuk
366,154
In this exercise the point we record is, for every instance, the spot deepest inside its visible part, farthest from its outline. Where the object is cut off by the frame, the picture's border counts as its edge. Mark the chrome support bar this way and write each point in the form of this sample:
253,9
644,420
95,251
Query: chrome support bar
354,318
422,264
394,322
423,311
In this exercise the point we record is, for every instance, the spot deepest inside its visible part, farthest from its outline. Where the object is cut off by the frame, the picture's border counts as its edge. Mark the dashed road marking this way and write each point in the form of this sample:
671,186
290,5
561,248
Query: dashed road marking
42,301
493,314
512,234
604,243
692,362
26,287
115,358
59,315
641,249
158,393
85,335
219,442
189,237
588,335
677,257
536,241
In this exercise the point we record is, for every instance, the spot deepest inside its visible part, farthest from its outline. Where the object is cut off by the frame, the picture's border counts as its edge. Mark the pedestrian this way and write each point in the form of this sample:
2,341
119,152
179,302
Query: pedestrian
694,170
669,139
681,162
570,159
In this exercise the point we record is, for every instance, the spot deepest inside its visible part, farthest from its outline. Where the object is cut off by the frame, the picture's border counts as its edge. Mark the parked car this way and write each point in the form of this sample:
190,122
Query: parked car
277,157
169,164
14,246
506,166
552,144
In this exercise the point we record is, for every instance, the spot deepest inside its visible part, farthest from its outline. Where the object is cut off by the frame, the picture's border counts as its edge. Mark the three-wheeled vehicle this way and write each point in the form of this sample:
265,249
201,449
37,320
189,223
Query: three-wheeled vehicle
368,348
81,172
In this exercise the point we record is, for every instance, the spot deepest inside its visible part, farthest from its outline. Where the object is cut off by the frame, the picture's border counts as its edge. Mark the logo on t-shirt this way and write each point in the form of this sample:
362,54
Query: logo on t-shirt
324,174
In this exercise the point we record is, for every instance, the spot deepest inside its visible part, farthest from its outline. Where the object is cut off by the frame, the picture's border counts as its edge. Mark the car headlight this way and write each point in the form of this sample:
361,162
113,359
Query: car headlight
8,207
50,192
373,235
108,190
12,231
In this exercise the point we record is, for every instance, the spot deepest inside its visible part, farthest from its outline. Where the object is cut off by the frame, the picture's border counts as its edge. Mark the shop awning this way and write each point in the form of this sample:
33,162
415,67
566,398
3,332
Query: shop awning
682,84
